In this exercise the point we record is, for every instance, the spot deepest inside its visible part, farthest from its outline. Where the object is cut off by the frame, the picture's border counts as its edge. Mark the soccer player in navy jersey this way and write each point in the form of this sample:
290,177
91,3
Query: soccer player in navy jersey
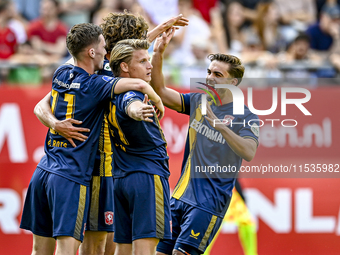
99,229
116,27
200,200
141,188
58,197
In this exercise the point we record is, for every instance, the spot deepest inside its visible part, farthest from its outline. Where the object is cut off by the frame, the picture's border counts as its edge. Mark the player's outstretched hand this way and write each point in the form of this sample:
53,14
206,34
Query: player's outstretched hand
66,129
179,20
213,120
162,41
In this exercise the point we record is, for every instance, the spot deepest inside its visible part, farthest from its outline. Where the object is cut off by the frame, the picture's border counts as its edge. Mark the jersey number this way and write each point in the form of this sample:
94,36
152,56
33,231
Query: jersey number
70,99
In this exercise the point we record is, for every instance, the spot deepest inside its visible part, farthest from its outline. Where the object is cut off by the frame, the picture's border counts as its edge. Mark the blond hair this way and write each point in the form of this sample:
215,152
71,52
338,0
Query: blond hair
123,51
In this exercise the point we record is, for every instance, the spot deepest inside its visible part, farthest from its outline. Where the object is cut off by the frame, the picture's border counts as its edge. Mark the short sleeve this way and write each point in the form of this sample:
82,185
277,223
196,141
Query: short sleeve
185,101
128,98
252,128
103,86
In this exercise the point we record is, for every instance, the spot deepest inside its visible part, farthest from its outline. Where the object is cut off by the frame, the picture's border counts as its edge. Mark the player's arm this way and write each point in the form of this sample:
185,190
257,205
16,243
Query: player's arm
63,127
127,84
175,21
244,147
171,98
139,110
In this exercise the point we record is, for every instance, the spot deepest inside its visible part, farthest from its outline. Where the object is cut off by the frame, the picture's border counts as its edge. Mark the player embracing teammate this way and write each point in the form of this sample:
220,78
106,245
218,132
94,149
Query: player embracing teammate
136,150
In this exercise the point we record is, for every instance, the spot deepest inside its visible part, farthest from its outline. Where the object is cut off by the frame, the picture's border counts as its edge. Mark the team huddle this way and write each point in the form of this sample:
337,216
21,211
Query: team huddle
103,181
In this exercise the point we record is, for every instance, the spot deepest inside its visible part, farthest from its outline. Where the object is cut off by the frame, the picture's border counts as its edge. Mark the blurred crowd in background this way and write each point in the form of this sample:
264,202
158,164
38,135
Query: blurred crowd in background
277,40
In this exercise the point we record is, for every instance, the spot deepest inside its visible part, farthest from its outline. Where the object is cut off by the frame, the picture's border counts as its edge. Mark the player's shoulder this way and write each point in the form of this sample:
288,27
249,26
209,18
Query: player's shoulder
63,70
64,67
129,95
102,79
249,114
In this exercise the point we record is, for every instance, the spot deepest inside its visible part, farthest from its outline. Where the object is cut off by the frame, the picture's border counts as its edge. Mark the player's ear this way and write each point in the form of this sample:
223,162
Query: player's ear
234,81
124,67
91,53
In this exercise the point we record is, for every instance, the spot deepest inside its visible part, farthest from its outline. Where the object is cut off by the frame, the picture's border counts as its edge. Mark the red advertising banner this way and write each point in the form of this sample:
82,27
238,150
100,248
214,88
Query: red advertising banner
293,215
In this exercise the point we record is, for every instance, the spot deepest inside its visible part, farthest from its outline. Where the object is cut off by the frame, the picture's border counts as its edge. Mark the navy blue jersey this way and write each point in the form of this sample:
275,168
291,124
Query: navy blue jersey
79,95
106,68
104,158
210,165
138,146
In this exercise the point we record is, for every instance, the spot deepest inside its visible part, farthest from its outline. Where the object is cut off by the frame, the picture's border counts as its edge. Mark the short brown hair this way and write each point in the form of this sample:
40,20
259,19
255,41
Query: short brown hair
81,36
123,51
121,26
236,69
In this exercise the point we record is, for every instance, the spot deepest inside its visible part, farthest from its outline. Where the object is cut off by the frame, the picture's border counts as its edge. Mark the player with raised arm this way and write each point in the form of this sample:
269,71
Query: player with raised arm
116,27
199,202
57,198
99,228
141,188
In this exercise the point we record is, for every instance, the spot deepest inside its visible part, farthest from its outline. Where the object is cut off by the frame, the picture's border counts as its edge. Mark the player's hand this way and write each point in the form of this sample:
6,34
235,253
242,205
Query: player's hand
146,111
66,129
213,120
163,40
179,20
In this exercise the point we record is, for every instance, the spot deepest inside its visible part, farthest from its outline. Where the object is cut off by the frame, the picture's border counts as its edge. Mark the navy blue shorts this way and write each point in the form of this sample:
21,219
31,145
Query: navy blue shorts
192,229
100,215
141,207
55,206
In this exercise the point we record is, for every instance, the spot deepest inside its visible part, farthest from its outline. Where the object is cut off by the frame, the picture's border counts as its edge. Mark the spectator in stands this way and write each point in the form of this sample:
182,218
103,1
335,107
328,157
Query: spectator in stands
321,3
204,8
300,52
29,67
29,10
254,53
266,26
198,29
105,7
48,34
249,8
76,11
298,14
325,35
233,21
300,64
8,41
159,10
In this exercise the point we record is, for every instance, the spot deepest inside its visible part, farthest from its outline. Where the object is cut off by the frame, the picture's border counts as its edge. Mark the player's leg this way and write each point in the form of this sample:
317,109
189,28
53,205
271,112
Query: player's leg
43,245
248,237
239,214
94,243
110,244
123,222
69,202
100,218
150,210
123,249
67,245
198,229
36,215
144,246
165,247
